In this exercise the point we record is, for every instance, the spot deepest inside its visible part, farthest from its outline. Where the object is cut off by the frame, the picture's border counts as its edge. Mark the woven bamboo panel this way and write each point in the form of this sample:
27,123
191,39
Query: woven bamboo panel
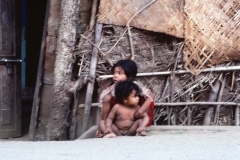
162,16
212,33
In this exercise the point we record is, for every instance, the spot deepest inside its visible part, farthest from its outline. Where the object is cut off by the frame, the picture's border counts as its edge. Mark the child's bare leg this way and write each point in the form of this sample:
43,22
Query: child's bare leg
106,107
133,130
115,132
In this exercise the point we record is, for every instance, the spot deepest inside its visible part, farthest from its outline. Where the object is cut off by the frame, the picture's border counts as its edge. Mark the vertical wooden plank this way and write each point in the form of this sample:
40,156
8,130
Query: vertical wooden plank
90,86
38,88
237,116
10,104
6,100
189,115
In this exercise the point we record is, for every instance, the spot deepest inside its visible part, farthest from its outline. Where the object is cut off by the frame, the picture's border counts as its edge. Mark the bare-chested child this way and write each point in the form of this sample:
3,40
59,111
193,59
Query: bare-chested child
121,120
123,70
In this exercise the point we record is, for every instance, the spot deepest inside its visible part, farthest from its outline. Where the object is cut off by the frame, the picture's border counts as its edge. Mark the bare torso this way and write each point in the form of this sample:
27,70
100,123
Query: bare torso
124,118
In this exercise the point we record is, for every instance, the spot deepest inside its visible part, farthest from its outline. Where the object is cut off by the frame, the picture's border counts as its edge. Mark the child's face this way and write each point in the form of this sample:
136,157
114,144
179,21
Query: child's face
132,100
119,75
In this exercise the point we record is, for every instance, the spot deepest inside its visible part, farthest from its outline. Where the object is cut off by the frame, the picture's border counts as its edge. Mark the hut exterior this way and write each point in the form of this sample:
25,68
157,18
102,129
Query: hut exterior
182,98
172,59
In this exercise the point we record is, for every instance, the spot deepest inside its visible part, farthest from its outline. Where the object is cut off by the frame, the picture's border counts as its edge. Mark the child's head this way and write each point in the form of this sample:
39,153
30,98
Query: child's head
124,69
126,92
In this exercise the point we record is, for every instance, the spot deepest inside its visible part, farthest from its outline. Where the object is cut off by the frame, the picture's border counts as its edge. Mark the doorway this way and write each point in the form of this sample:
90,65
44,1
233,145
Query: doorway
32,22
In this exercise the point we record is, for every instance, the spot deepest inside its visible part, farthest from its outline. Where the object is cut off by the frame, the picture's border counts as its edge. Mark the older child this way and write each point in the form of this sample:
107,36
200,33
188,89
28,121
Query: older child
121,120
123,70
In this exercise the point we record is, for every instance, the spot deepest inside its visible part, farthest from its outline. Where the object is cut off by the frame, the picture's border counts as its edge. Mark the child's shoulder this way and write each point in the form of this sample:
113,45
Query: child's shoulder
107,91
145,92
117,106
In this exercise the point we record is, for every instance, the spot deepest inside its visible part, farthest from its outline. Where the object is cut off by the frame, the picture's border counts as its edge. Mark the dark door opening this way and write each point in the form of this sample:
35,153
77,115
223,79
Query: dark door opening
32,22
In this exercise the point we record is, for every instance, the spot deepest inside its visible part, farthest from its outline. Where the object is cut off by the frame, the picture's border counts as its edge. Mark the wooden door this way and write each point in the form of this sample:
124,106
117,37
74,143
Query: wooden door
10,104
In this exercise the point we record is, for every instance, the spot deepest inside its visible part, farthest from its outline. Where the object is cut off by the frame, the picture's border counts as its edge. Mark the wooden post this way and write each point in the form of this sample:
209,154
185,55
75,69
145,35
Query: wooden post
92,72
219,100
172,82
212,98
189,112
237,116
93,14
62,93
38,88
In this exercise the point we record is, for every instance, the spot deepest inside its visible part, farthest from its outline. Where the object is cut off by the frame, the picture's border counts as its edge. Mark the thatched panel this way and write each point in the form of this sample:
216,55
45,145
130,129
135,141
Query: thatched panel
161,16
212,33
159,52
211,28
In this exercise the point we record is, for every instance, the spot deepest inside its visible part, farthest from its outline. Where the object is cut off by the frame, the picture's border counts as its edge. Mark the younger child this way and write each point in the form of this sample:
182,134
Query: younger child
123,70
121,120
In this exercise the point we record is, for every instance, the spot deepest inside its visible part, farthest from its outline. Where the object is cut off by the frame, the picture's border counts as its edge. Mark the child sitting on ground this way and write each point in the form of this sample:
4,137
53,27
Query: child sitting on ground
123,70
121,120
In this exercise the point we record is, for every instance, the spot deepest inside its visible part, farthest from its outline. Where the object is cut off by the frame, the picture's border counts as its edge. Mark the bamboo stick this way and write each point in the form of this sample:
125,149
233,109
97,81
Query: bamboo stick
75,89
173,119
230,68
93,14
120,38
237,116
172,82
219,99
183,123
212,98
163,95
180,104
189,116
92,72
189,112
233,79
38,88
129,30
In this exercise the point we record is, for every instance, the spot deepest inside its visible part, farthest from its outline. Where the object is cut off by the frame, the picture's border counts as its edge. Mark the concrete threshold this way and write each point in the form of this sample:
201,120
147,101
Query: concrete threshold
164,129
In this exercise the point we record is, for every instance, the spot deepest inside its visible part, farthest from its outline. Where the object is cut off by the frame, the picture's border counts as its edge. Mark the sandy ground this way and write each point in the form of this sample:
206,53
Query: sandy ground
198,144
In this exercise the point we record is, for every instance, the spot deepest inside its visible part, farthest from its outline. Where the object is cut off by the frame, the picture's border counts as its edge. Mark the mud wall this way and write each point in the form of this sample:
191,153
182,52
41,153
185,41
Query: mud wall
49,60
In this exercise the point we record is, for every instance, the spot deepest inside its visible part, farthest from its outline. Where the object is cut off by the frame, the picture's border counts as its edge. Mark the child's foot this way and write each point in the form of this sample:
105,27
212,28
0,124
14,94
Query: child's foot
142,133
110,135
98,134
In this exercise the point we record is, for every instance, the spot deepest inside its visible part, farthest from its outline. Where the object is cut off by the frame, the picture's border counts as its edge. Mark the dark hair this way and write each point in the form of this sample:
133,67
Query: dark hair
124,88
129,67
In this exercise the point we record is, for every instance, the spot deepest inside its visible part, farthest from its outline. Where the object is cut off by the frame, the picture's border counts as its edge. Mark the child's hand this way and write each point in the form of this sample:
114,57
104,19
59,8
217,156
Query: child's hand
108,130
140,129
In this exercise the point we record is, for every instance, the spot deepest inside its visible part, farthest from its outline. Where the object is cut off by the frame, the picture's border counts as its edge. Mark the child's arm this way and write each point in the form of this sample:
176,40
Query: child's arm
101,128
110,119
145,106
106,107
144,123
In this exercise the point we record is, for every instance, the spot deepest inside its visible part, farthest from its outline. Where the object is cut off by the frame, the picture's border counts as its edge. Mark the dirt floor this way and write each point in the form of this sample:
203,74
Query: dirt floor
163,142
